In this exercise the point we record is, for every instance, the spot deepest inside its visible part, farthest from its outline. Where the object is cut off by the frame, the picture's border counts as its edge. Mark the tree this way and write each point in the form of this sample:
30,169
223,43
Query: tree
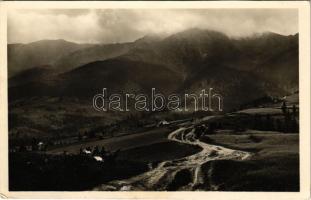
268,123
279,126
287,122
211,128
256,122
79,137
294,113
295,126
81,151
284,108
103,152
34,144
96,151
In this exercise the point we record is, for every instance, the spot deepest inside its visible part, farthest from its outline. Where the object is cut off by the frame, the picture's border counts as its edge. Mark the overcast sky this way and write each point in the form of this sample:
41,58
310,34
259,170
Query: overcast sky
111,26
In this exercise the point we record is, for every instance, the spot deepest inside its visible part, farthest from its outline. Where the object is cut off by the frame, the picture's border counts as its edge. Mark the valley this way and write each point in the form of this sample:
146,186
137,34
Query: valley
208,153
250,144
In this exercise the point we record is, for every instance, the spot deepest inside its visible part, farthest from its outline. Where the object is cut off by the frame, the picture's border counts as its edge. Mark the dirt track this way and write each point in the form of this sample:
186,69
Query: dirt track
166,173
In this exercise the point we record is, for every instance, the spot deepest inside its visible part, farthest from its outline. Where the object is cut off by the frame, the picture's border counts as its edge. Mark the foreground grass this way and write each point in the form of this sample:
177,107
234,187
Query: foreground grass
124,142
158,152
50,172
37,172
274,165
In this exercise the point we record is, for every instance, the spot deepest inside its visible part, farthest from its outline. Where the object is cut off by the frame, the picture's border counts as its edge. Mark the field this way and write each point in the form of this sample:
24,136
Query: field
248,150
122,142
149,146
52,170
274,165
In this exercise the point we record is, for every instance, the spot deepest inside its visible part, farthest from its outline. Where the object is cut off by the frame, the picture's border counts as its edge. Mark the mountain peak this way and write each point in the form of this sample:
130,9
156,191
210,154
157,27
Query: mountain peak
149,38
267,34
197,33
56,41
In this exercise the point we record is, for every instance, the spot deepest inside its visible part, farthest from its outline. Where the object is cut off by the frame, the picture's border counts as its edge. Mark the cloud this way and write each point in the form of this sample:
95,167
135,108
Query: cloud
122,25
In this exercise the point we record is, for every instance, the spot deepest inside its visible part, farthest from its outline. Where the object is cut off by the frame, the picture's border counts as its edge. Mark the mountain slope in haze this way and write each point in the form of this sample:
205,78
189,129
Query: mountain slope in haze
64,56
45,52
42,100
101,52
35,74
240,69
199,54
273,57
91,54
118,75
184,51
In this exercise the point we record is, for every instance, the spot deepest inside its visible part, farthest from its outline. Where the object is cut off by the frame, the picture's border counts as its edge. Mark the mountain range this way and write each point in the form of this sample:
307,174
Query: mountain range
240,69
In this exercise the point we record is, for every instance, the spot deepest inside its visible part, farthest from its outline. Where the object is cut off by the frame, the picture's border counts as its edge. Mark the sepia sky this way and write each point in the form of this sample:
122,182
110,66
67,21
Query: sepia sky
123,25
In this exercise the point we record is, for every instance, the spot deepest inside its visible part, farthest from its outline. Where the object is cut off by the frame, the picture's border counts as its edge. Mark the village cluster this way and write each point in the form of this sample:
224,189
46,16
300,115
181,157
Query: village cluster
99,153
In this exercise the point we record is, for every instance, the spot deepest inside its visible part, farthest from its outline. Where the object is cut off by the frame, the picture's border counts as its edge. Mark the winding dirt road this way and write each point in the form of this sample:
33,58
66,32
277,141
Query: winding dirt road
161,177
